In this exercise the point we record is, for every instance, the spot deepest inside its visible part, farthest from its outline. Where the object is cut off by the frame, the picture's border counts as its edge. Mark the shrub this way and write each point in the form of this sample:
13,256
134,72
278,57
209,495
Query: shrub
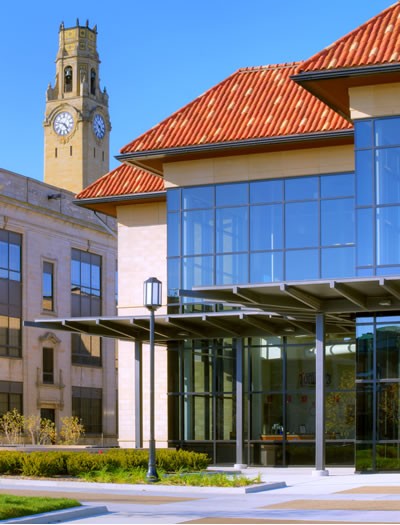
128,459
181,460
42,431
72,430
82,462
10,462
43,464
12,426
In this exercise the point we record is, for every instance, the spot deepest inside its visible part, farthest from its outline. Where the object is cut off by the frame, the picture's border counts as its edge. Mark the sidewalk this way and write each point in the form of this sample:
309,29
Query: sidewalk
341,497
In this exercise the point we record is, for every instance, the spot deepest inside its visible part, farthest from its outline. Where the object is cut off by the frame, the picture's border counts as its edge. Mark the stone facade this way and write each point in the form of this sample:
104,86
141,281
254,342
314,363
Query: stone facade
51,226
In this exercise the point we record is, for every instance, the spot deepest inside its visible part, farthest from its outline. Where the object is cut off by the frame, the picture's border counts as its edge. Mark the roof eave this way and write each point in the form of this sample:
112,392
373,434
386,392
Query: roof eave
112,201
345,72
139,158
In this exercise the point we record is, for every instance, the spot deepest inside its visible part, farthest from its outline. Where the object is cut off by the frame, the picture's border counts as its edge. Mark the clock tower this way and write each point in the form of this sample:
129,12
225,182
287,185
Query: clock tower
77,124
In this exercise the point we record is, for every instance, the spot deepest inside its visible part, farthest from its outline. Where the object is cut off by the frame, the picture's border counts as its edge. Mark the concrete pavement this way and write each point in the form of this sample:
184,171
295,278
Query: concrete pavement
341,497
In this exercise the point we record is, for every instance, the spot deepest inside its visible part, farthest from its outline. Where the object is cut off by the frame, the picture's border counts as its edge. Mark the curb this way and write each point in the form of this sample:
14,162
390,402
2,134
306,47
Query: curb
128,488
59,516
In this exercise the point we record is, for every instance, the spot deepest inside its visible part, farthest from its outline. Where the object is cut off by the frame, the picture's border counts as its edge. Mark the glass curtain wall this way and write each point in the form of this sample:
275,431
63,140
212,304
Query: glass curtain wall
279,399
378,393
260,232
377,154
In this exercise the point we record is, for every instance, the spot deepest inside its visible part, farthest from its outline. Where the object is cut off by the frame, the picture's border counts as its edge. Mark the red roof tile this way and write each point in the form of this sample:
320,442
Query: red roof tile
252,103
376,42
123,180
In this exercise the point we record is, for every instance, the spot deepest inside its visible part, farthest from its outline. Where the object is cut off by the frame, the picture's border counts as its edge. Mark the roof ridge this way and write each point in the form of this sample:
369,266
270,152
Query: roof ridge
266,67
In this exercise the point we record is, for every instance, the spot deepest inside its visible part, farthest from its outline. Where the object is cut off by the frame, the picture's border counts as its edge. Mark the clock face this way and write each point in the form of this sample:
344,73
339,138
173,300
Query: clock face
63,123
99,126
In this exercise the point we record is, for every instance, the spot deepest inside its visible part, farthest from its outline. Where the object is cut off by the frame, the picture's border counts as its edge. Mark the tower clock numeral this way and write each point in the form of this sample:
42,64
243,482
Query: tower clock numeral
63,123
99,126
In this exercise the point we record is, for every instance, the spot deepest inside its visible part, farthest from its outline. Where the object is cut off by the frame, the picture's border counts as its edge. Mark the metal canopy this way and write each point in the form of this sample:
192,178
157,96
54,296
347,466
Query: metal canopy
243,323
336,298
267,309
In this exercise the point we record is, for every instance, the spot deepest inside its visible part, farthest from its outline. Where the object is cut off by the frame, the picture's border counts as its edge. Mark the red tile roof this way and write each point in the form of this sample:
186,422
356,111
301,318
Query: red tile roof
376,42
123,180
259,102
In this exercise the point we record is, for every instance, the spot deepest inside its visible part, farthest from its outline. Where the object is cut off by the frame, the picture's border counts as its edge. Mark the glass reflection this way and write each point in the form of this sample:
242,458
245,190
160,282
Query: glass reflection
266,227
388,176
301,188
301,219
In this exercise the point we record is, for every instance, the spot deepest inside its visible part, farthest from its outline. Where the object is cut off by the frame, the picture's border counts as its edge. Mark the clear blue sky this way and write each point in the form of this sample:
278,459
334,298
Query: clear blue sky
156,56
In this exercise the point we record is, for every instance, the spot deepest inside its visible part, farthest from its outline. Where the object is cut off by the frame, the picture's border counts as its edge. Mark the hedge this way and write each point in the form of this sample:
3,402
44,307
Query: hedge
61,463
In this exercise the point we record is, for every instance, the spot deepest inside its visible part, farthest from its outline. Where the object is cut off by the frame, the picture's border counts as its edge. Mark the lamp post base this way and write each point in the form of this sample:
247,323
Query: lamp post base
152,476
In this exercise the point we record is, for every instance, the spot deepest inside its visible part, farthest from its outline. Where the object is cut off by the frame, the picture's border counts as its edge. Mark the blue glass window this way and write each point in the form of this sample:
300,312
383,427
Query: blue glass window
197,232
173,234
388,236
388,270
337,222
365,237
301,189
388,176
173,277
337,185
232,229
197,271
363,134
387,131
198,197
266,267
232,194
266,227
266,191
301,224
364,178
302,265
337,262
232,269
173,199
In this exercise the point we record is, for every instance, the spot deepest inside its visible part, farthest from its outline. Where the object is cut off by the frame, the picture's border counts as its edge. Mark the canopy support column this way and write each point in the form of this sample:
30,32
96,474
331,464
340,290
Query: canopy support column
239,404
138,396
320,396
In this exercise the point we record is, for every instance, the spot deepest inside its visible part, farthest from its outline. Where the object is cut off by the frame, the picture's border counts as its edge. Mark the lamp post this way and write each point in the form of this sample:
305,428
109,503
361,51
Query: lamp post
152,300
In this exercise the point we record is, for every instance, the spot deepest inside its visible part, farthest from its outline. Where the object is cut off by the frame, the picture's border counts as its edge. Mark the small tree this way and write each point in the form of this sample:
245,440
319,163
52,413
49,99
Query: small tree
32,427
72,430
42,431
12,426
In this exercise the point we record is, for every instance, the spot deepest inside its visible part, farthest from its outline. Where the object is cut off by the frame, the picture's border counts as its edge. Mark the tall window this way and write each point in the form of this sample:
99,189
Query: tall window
87,405
10,294
48,365
10,396
85,302
377,153
48,286
68,79
93,82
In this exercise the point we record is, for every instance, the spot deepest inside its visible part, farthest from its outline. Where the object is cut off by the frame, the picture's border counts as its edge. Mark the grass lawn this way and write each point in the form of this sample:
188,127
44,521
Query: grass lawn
17,506
200,479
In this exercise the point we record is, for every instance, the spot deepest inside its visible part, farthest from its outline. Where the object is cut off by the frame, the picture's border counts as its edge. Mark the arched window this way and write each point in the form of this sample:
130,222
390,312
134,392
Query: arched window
93,82
68,79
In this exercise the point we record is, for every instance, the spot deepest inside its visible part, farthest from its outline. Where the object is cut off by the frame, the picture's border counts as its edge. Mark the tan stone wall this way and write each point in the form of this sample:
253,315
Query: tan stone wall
50,229
142,253
374,101
296,163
